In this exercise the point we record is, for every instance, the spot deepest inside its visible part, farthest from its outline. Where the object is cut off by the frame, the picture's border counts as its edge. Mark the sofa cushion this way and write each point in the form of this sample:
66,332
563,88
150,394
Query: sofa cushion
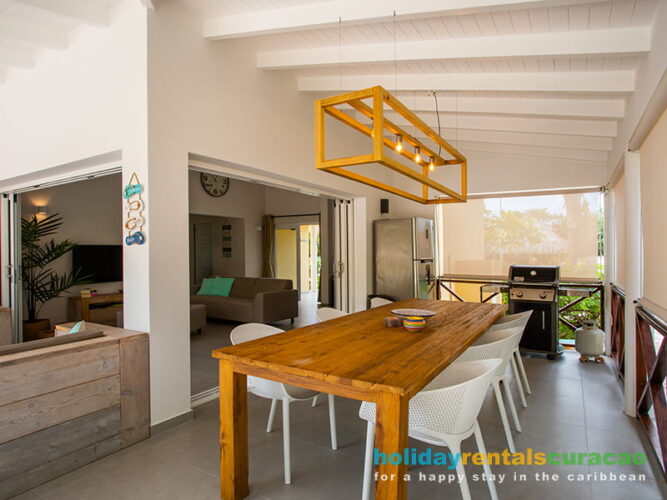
206,285
271,285
243,288
221,287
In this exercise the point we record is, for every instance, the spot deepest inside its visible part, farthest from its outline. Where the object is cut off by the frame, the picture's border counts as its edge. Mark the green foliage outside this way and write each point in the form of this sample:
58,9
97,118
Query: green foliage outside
538,236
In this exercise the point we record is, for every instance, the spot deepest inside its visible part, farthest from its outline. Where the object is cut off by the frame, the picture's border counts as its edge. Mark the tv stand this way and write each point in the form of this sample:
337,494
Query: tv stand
100,308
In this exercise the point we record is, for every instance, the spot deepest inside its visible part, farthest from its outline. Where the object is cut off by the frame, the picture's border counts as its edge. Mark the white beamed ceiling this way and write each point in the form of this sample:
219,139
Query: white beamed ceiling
28,27
537,78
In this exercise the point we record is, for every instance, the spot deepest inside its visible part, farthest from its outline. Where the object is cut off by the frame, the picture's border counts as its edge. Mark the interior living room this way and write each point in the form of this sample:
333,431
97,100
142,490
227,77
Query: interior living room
367,249
242,231
83,219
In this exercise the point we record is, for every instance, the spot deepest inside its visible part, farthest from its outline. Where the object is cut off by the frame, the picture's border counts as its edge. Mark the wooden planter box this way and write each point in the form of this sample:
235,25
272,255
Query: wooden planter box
63,406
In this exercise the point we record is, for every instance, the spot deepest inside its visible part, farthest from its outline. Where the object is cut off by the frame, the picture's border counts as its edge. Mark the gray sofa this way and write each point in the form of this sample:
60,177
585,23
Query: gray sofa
252,300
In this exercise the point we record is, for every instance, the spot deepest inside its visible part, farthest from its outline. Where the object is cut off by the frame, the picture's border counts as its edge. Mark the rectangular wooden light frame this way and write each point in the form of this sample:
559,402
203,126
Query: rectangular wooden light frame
380,97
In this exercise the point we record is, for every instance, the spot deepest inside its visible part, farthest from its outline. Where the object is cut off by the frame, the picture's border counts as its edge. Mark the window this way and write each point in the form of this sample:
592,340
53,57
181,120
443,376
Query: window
483,237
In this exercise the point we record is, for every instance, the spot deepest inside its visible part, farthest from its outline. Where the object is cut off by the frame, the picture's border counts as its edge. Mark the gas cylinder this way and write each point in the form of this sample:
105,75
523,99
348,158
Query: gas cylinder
589,342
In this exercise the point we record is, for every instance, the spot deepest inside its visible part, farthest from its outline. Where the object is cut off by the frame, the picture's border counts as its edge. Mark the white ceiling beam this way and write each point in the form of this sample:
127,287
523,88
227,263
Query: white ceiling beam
593,128
87,12
584,108
27,33
572,81
326,14
534,151
623,41
16,57
454,136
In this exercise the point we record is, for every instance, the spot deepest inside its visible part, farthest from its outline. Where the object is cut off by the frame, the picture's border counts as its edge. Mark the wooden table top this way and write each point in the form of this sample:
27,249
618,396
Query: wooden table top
359,352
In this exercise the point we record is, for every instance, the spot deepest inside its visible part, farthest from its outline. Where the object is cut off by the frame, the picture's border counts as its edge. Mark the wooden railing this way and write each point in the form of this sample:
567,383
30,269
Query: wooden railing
651,332
618,327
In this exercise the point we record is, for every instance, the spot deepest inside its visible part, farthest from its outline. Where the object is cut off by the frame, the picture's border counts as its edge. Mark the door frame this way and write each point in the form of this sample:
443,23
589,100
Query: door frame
295,225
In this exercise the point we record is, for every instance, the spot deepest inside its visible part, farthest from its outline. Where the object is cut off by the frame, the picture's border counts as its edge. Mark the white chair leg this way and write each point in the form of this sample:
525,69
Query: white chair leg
286,443
455,448
503,416
485,465
272,413
315,401
510,402
368,461
515,371
332,422
519,362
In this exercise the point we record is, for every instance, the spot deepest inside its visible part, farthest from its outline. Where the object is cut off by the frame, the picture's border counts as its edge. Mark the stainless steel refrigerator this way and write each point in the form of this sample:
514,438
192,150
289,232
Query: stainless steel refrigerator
404,252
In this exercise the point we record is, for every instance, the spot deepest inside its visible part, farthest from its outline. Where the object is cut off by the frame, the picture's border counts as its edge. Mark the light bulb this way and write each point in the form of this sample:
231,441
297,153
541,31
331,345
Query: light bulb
399,143
418,156
431,164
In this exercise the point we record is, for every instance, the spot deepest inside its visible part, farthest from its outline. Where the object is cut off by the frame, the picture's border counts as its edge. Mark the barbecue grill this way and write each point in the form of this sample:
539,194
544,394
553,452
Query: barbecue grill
536,288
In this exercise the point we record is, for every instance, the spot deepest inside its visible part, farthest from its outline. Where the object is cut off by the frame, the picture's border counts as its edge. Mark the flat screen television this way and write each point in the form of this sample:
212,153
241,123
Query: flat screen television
103,262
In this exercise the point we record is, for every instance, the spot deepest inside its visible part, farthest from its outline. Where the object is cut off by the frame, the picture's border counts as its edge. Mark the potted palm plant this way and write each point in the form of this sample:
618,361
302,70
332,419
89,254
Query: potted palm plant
40,282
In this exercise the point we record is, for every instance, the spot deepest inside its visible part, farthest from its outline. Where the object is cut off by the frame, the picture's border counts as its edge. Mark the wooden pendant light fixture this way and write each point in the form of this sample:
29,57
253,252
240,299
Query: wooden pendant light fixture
382,144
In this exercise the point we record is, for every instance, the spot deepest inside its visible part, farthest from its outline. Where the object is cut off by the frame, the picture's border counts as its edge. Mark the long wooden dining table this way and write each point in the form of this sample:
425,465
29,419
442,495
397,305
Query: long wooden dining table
354,356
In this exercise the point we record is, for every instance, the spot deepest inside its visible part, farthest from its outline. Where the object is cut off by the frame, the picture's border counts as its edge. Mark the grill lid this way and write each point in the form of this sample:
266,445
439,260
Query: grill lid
534,274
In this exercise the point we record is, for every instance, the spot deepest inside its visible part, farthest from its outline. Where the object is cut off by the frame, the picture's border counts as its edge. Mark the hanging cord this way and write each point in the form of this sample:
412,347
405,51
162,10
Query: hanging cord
340,53
437,114
395,58
456,119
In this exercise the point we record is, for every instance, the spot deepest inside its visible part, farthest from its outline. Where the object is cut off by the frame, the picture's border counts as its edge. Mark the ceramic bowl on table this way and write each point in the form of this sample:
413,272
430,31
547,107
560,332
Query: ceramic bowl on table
419,313
414,320
414,323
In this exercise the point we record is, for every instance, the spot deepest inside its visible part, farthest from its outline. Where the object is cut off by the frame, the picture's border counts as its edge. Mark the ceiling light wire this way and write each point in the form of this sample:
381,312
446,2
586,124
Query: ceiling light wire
395,58
437,114
340,52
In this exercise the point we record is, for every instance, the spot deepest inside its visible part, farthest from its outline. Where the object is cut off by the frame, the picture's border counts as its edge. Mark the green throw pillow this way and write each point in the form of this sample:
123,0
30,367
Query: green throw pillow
206,286
221,287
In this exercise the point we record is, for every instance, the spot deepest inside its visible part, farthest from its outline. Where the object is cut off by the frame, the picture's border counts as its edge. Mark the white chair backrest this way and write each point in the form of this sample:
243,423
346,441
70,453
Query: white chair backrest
496,344
512,320
451,402
246,333
252,331
379,301
327,313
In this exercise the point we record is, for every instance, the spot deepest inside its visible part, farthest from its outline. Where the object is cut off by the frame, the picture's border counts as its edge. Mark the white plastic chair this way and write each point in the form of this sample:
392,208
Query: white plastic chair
444,413
499,344
510,321
327,313
379,301
279,391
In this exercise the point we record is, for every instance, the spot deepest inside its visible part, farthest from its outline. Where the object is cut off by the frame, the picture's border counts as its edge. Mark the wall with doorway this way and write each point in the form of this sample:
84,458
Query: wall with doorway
92,215
221,265
243,200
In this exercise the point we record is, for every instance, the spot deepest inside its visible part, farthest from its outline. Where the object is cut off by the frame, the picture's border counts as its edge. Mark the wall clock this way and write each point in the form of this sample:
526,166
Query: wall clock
214,185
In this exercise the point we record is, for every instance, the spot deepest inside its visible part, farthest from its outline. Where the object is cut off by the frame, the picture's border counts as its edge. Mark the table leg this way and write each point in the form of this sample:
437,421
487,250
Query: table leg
233,433
391,436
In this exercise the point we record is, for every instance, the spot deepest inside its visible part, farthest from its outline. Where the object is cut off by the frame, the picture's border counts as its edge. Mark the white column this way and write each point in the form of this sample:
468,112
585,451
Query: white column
633,234
610,239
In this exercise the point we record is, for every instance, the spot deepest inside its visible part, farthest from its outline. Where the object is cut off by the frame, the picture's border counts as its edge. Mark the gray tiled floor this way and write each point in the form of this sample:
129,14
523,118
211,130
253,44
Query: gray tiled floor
204,369
182,462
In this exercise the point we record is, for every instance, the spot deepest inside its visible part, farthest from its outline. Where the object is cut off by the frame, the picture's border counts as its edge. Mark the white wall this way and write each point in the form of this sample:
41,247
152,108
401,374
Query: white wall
91,212
79,102
75,107
244,200
221,266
